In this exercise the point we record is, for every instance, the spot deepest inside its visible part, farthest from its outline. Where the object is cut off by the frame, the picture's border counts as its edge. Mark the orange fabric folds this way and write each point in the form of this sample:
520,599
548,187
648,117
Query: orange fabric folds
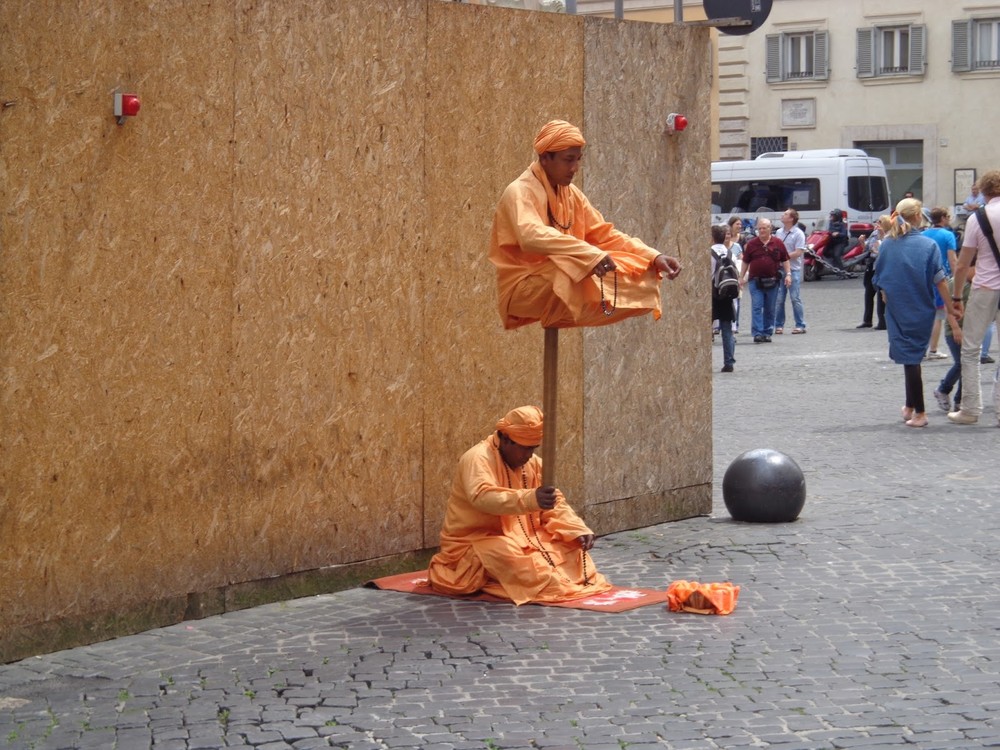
702,598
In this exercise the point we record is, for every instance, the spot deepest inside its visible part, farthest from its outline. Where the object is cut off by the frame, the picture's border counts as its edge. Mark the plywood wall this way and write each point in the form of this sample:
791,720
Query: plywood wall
249,332
116,306
647,395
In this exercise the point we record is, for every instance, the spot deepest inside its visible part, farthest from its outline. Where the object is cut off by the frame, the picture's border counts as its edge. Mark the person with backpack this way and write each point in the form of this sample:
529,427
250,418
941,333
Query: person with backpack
725,292
982,242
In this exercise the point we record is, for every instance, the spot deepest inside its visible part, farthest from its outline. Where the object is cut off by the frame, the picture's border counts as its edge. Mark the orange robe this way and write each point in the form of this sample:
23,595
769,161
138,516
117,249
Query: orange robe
495,538
543,272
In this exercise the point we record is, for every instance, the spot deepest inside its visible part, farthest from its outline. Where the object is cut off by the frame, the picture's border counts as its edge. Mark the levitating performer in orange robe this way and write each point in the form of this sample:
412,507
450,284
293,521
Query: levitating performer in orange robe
558,261
506,535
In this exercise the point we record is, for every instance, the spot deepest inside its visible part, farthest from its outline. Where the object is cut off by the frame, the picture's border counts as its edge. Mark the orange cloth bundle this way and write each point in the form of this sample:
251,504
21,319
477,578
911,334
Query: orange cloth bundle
702,598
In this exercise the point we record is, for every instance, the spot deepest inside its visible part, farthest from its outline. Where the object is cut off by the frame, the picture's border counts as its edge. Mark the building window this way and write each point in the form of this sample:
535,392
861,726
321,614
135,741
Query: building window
975,44
800,56
895,50
891,51
767,145
904,165
800,49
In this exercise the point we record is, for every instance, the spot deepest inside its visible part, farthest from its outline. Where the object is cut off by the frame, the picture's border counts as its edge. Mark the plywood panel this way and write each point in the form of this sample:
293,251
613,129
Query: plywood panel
249,332
647,384
114,410
331,251
490,89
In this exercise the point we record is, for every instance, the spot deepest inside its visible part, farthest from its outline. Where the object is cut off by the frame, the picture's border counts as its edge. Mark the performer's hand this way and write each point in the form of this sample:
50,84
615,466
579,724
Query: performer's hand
546,497
604,265
671,267
586,542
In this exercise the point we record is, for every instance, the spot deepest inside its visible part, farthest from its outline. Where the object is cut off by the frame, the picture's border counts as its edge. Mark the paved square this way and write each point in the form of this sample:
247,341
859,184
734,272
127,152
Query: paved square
871,622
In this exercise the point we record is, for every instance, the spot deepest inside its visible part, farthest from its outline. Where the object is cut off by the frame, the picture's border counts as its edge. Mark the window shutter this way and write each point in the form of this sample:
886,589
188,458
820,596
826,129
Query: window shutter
961,46
917,49
773,55
866,53
821,55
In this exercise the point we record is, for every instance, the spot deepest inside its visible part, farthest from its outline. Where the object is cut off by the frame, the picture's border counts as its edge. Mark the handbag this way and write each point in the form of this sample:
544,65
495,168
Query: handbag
766,282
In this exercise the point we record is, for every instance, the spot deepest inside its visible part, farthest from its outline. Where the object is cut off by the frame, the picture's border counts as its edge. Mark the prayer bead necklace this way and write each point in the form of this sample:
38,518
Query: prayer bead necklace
552,218
608,311
537,544
604,303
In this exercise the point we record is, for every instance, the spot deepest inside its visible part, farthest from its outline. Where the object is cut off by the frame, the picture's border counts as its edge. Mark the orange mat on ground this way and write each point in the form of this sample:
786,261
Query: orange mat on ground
618,599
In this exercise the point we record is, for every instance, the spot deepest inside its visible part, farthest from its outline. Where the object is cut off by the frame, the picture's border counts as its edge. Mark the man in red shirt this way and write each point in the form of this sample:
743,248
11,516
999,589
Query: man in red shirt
764,259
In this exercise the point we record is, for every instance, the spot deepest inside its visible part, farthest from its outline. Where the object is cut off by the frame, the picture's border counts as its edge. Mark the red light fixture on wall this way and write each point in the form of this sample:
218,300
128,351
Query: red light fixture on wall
126,105
676,123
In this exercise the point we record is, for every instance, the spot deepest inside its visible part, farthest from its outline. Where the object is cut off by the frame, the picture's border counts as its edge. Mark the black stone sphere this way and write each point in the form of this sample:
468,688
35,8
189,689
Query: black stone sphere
764,486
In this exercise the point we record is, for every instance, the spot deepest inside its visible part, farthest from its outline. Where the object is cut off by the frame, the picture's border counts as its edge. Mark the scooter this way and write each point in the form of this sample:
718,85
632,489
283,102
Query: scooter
815,265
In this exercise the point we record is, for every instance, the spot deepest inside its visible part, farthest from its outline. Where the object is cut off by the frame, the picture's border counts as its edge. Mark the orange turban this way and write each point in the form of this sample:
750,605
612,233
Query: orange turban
558,135
523,426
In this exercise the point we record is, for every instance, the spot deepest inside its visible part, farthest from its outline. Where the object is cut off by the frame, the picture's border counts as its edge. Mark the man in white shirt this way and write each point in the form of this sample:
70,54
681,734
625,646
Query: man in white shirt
795,243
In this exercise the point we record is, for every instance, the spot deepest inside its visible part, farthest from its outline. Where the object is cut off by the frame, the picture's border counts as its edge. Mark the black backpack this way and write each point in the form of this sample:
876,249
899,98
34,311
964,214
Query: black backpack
726,280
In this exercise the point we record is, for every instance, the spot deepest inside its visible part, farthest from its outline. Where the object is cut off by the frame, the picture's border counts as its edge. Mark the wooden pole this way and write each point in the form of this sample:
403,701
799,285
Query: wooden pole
550,384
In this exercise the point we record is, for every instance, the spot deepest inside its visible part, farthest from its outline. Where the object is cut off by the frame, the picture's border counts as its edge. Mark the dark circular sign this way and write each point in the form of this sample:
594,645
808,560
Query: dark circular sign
754,11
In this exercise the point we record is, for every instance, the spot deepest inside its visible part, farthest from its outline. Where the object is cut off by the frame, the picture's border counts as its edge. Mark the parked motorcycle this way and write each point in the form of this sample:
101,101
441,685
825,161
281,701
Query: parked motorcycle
815,264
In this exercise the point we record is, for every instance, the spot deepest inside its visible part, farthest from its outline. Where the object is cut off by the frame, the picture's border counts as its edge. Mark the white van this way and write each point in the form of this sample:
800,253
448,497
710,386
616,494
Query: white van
813,182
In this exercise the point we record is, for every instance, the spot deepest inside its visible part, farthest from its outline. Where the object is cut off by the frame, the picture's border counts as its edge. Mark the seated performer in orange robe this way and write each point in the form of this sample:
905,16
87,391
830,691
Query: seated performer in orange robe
506,535
558,261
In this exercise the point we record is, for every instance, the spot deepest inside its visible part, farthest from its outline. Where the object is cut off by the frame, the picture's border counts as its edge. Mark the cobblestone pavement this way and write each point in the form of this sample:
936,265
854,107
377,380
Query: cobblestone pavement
871,622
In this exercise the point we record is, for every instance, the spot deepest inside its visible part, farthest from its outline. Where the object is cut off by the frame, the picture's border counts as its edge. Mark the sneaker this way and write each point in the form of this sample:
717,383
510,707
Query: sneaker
943,399
726,368
936,355
798,330
960,417
987,360
758,339
766,339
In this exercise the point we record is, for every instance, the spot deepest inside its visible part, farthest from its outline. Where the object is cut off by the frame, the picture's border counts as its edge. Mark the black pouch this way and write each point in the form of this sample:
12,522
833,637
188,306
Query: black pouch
766,282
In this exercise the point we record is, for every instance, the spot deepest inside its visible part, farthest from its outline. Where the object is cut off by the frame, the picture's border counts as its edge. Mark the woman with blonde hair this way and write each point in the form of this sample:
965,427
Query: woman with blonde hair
907,270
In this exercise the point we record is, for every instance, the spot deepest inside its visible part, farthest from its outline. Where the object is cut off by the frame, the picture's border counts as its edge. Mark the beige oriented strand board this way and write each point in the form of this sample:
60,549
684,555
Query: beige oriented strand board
250,331
331,246
490,89
114,416
647,384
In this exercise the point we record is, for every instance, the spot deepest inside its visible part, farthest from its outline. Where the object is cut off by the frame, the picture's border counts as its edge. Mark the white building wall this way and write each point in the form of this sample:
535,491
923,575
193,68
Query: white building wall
951,114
